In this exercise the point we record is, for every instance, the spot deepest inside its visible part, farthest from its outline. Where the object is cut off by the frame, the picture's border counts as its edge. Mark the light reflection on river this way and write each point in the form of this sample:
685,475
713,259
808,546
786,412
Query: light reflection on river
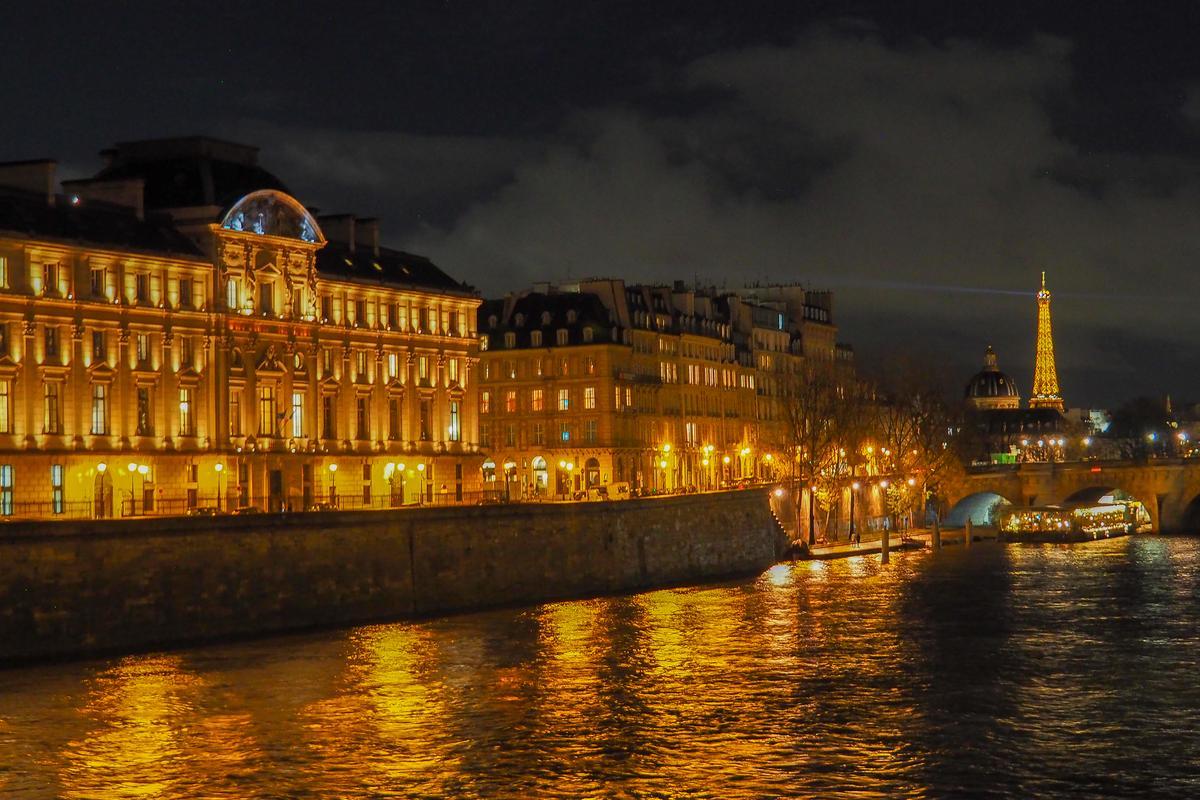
1002,671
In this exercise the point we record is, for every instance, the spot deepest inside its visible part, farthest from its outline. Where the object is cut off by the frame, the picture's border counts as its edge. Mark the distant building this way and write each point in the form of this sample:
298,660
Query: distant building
603,383
1006,432
179,329
990,389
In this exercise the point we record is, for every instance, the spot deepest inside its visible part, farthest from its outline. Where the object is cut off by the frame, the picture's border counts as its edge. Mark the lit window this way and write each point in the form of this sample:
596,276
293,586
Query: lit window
485,402
297,415
395,409
454,433
452,370
537,400
5,415
56,488
187,421
145,414
6,489
564,400
99,409
589,397
362,416
510,401
564,432
266,411
52,412
235,412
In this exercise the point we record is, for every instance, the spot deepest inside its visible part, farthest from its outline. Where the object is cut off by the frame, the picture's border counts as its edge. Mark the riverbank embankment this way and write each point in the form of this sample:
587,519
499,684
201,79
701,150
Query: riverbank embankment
74,588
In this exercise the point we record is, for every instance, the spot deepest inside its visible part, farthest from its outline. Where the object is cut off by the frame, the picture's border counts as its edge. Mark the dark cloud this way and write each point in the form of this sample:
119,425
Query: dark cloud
899,174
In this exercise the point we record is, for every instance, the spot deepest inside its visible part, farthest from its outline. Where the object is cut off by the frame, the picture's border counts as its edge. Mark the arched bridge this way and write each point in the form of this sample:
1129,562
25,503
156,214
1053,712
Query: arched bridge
1169,488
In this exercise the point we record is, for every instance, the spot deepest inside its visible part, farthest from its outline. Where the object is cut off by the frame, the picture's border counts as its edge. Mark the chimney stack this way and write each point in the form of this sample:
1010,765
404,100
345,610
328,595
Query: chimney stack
338,228
35,177
366,233
125,192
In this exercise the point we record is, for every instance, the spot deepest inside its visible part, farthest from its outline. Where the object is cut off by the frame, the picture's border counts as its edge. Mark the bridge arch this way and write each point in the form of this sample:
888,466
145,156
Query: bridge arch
979,507
1189,517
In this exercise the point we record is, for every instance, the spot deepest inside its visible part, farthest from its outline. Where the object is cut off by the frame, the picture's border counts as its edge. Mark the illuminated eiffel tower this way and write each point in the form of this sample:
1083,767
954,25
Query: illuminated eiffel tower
1045,377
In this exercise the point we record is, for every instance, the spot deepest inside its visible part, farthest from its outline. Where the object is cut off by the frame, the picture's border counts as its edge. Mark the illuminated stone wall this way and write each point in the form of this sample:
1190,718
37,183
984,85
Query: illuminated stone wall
69,588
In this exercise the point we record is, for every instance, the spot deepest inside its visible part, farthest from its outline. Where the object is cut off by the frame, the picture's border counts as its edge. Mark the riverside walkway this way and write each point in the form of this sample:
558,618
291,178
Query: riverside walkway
916,540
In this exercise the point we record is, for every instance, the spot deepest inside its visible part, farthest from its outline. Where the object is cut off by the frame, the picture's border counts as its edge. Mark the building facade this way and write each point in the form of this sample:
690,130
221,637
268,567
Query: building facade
179,331
640,388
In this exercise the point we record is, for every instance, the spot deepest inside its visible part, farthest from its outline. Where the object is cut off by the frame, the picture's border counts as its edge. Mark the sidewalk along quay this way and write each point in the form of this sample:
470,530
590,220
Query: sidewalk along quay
873,545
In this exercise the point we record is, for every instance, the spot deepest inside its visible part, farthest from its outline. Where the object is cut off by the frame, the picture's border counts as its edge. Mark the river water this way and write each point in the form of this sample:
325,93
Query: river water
1000,671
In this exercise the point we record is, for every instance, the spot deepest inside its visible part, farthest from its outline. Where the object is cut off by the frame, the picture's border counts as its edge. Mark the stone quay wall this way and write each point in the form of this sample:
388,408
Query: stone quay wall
75,588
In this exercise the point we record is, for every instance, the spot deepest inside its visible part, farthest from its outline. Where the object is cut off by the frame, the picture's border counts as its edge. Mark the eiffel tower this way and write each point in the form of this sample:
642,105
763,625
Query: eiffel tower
1045,377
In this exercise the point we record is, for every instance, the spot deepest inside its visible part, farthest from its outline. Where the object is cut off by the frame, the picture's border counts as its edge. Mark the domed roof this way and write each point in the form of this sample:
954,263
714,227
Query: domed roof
990,382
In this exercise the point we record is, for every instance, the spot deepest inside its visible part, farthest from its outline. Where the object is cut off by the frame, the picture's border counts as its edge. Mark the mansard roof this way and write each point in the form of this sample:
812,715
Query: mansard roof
189,171
96,224
364,264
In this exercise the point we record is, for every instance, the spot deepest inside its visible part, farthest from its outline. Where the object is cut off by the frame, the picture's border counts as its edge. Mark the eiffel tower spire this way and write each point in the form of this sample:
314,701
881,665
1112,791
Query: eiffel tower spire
1045,377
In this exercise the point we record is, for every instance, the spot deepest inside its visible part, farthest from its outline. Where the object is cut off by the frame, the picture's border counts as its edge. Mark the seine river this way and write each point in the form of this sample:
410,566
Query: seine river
1001,671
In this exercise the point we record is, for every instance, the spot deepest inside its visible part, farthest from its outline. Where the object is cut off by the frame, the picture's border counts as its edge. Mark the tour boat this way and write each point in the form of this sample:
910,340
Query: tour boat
1072,522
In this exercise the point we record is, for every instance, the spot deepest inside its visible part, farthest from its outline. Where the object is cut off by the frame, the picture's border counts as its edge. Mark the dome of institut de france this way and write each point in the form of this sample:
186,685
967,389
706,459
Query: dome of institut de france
990,388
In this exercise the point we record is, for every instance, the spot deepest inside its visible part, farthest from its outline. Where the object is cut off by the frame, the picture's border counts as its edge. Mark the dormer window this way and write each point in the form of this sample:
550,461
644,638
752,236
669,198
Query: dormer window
545,318
535,338
561,336
492,321
519,320
587,335
510,340
571,317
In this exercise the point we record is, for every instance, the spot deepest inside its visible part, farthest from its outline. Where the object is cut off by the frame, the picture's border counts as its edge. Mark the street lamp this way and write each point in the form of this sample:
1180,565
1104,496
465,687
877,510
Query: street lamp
220,468
333,485
420,484
853,491
389,474
510,468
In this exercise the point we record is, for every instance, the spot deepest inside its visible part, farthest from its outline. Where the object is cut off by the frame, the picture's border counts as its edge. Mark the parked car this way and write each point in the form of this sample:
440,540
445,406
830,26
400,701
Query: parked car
247,510
323,507
203,511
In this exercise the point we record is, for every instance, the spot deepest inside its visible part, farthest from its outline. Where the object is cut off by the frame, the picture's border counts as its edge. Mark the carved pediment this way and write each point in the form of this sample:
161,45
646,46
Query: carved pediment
270,361
188,376
100,371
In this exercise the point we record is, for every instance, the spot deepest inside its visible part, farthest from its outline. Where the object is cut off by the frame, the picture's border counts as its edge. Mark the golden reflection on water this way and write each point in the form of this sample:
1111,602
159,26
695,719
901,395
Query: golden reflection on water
136,706
384,714
932,676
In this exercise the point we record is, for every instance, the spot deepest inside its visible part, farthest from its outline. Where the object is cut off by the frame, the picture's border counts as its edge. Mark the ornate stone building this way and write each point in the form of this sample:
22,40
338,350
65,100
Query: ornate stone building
179,331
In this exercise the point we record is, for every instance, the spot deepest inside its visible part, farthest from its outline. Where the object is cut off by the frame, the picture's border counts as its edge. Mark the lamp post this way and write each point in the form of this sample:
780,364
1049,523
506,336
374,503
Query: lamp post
333,485
853,491
421,484
98,502
220,468
389,474
510,471
725,469
132,467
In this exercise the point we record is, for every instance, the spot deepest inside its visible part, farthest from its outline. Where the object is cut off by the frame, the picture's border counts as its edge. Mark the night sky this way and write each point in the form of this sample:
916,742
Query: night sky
924,161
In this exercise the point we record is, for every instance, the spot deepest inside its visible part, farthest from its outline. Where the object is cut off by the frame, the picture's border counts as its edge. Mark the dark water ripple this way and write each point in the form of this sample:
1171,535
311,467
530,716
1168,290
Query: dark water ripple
1012,671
